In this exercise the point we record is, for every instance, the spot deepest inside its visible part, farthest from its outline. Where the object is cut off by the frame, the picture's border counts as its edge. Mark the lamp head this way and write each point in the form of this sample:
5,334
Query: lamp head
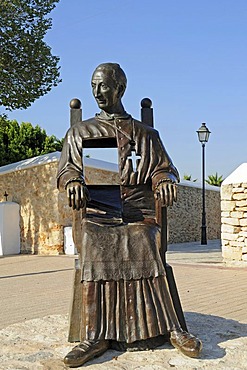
203,133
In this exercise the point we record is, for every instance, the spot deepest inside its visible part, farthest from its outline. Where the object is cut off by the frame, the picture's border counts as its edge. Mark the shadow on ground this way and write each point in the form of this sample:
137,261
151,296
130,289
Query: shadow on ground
215,332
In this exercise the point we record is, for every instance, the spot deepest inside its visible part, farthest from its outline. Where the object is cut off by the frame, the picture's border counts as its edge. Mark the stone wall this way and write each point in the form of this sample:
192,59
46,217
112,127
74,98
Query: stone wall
44,211
34,189
185,216
234,217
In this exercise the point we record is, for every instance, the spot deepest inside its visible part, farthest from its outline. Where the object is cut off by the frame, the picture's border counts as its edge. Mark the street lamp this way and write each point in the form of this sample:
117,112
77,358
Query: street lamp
203,136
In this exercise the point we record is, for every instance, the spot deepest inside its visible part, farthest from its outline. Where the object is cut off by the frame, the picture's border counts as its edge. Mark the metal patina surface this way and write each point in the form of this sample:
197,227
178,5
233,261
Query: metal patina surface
128,291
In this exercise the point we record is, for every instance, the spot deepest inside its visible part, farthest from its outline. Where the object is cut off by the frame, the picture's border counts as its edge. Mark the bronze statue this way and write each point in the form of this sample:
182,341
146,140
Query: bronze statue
126,299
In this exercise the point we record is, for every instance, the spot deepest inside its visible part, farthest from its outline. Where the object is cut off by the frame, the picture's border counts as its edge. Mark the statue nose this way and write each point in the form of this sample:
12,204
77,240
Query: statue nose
97,91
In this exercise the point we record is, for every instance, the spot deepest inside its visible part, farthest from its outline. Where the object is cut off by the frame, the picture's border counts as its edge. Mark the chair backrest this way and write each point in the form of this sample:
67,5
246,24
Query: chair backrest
146,111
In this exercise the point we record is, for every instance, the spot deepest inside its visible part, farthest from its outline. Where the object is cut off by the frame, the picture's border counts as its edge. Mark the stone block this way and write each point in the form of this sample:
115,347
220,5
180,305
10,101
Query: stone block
241,203
244,257
238,190
231,253
226,192
237,244
229,236
243,233
237,214
230,221
224,242
239,196
226,214
241,238
226,248
244,249
241,209
228,205
244,185
230,229
243,222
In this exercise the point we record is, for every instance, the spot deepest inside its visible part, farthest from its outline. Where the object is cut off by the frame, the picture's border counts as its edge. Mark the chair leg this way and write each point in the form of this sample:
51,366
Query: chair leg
76,306
175,296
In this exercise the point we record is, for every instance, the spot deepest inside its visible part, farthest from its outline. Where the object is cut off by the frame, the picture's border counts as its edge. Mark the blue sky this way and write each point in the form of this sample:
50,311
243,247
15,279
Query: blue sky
189,57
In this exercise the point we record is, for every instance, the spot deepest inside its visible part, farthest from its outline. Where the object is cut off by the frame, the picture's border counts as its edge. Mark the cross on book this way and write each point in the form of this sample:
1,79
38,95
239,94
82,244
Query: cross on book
134,159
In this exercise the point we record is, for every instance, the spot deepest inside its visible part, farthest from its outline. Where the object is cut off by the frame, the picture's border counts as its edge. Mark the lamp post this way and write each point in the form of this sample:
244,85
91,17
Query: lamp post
203,136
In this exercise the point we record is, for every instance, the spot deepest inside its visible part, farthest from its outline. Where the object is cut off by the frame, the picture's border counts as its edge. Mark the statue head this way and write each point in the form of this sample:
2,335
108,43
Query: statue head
108,85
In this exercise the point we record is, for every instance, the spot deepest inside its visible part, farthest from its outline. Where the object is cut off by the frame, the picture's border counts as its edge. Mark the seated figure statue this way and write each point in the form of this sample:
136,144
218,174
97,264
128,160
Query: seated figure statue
125,295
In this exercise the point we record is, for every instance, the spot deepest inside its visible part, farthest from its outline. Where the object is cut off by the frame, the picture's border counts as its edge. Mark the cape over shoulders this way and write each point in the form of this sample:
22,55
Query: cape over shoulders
94,123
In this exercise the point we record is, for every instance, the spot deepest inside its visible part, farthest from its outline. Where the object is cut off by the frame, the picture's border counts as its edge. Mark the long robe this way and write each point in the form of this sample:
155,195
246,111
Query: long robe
124,287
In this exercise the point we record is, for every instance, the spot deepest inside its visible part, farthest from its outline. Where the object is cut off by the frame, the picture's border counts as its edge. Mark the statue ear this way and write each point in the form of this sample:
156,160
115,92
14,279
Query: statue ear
120,90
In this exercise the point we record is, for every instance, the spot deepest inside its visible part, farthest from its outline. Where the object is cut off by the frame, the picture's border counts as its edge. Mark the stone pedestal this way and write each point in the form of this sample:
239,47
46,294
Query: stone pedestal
9,228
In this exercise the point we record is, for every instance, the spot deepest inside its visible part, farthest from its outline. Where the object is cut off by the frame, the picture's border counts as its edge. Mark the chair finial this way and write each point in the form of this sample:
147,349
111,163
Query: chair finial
75,104
146,103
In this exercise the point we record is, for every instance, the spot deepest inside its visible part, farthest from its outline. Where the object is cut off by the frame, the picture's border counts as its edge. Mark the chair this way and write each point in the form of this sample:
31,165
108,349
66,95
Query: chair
161,216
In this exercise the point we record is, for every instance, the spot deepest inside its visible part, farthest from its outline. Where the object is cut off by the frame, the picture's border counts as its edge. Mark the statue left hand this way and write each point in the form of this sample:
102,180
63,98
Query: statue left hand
167,193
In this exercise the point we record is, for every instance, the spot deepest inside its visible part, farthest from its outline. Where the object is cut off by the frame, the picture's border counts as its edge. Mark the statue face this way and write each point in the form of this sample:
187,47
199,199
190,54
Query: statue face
105,91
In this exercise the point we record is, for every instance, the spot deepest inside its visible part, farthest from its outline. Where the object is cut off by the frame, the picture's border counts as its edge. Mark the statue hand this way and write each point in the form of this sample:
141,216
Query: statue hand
77,195
167,193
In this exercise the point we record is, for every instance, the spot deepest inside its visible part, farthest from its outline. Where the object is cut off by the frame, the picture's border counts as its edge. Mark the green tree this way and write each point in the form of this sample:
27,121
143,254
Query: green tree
28,70
215,180
189,178
22,141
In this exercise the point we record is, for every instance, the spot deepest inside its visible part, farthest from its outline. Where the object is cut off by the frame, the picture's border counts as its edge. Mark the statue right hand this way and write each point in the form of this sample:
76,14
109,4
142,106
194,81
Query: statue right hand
77,195
167,193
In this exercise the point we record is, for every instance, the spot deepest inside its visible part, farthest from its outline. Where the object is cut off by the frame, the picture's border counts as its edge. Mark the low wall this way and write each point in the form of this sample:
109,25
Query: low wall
44,211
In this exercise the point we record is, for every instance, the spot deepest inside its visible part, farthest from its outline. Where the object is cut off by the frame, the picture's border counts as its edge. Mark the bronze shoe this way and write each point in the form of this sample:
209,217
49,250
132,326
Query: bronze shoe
85,351
187,343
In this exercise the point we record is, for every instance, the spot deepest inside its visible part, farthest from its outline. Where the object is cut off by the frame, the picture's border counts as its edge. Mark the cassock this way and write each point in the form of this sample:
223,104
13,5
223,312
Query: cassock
124,287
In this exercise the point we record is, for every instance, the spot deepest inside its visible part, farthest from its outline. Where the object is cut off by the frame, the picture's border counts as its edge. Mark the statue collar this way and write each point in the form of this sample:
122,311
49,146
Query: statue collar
110,117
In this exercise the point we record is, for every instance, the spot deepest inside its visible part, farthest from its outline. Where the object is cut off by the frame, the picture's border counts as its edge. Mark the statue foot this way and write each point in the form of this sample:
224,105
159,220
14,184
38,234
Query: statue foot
85,351
187,343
